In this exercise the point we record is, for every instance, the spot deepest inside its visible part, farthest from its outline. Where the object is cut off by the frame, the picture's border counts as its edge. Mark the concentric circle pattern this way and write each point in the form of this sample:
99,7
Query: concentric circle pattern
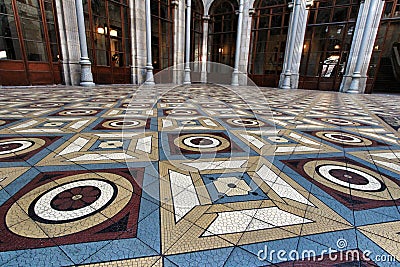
202,142
73,201
246,122
78,112
73,204
352,180
16,146
340,122
344,138
123,124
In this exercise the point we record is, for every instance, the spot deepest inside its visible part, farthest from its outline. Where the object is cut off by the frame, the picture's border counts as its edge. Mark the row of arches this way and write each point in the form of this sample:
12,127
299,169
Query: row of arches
329,35
30,46
330,30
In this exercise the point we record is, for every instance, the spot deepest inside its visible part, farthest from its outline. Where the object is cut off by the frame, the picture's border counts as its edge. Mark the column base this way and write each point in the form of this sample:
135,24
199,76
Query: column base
235,78
286,82
355,85
87,84
186,79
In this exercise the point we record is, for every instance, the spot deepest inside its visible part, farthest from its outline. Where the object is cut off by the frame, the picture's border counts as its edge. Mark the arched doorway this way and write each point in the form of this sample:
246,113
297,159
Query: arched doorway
327,44
108,37
162,34
196,31
29,43
384,68
222,32
196,35
268,41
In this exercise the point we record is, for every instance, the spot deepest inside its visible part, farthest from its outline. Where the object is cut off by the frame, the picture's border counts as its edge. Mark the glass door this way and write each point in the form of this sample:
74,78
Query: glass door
327,44
107,32
222,32
29,44
384,68
268,41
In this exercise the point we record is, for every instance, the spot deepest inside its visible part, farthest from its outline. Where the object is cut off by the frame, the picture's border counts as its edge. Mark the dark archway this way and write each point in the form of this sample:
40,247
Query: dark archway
108,36
268,41
162,34
327,44
196,31
384,68
222,32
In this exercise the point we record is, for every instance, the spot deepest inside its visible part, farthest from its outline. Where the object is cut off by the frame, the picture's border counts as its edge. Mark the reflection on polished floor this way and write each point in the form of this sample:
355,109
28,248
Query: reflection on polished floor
198,176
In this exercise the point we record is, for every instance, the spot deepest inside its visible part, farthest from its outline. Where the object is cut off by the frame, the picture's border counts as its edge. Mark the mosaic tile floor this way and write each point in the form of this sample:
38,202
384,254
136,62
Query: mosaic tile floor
201,178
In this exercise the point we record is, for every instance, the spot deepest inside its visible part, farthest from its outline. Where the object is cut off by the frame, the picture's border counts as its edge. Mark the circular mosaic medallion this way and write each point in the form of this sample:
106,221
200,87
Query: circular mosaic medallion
350,177
183,112
246,122
73,204
346,178
47,105
72,201
341,122
123,124
136,105
78,112
344,138
14,147
202,142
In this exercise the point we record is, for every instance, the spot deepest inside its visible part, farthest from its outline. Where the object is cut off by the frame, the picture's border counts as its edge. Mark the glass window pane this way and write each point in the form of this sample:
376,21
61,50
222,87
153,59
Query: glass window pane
7,26
10,49
101,57
54,52
35,51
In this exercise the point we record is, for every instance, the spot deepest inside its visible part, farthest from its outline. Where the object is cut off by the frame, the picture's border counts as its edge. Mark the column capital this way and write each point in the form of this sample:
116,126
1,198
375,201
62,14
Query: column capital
175,3
309,3
252,11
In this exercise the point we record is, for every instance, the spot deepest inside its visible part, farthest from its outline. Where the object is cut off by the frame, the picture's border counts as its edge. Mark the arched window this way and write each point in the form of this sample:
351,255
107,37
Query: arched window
162,31
108,37
268,41
196,30
222,32
327,43
384,68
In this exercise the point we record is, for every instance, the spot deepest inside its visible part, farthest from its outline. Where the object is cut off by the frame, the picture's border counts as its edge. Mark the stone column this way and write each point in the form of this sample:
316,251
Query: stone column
298,43
235,74
188,28
245,44
368,20
179,41
355,83
134,78
286,84
149,65
139,46
86,69
204,49
69,41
